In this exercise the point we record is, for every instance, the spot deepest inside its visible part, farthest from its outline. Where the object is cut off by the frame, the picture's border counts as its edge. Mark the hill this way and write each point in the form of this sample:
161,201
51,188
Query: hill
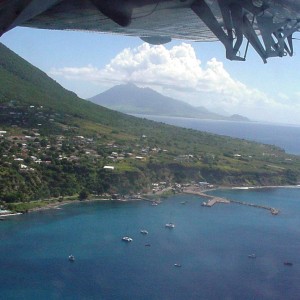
54,144
130,99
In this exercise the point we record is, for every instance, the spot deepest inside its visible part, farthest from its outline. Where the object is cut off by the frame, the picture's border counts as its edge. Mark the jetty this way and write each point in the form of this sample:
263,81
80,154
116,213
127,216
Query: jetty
273,210
212,200
215,200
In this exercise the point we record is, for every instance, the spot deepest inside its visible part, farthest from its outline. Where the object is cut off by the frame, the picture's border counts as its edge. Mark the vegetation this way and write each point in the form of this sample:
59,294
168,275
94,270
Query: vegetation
54,144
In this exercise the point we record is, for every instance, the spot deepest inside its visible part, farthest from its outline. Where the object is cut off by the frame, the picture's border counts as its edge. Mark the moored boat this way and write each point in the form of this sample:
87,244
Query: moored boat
127,239
71,258
170,225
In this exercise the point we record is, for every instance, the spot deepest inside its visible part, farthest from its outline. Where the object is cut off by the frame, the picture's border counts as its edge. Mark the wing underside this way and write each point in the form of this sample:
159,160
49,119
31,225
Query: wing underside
266,25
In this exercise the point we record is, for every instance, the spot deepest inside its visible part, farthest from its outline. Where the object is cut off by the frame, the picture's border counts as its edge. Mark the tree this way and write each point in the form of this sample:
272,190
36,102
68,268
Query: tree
43,143
83,195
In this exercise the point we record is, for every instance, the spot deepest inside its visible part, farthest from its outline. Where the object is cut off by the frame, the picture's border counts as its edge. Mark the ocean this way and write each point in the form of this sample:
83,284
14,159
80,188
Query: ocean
211,245
286,137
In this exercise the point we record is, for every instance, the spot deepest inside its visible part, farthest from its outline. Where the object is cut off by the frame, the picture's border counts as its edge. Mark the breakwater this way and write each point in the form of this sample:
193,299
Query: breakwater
273,210
212,200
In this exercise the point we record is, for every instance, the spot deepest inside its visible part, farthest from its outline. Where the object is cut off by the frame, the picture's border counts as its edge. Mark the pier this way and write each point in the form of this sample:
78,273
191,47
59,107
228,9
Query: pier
273,210
212,200
215,200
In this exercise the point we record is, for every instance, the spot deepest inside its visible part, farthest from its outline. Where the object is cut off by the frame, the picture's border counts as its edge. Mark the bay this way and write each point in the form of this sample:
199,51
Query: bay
211,244
286,137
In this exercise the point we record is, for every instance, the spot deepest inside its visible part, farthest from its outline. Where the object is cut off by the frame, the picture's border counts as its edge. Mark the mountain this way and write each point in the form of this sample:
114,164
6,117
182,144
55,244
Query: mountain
130,99
54,144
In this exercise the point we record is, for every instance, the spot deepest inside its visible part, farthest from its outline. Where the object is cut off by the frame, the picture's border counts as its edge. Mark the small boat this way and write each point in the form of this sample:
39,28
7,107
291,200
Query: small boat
288,263
127,239
183,202
170,225
177,265
253,255
71,258
143,231
154,203
147,245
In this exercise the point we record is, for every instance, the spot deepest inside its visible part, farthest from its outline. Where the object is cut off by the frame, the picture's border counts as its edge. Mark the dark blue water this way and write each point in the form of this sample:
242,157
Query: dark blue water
211,244
286,137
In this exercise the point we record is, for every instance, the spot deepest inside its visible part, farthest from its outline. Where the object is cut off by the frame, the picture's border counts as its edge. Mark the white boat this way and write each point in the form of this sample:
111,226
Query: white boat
253,255
154,203
71,257
143,231
177,265
170,225
127,239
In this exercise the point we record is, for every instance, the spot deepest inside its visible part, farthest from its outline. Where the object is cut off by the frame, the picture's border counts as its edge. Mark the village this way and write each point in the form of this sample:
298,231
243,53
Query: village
35,141
35,136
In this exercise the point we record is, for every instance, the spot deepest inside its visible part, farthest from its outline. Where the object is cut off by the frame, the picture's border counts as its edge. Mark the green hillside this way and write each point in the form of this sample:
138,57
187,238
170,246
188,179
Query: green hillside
54,144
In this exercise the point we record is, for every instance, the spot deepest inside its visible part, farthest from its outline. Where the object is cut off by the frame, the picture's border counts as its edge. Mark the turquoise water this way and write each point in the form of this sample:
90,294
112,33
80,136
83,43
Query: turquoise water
211,244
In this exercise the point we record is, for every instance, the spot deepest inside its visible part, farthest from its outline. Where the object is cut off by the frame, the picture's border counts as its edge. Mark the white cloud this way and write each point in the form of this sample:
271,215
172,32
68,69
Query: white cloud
177,72
283,96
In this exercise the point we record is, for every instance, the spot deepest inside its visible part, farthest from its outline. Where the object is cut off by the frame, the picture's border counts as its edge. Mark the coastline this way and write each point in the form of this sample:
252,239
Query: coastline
195,190
58,204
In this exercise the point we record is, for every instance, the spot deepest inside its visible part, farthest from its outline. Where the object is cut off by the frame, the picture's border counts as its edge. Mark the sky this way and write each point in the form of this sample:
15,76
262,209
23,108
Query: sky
89,63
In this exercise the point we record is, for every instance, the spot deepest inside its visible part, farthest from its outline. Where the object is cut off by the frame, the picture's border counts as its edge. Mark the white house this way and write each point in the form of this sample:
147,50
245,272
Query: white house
109,167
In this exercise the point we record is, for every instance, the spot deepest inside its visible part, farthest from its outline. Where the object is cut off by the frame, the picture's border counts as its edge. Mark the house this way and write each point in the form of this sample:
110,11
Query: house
139,157
18,159
109,167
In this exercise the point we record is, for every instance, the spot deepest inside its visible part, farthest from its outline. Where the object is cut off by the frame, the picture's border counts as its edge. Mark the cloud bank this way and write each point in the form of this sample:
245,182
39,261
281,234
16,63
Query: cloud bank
178,73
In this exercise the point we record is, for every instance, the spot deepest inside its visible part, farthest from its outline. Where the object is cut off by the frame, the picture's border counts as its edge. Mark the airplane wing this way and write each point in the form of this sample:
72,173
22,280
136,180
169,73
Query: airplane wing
266,25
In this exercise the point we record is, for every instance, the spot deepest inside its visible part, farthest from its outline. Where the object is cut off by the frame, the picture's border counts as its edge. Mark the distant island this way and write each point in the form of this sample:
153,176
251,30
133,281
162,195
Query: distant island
131,99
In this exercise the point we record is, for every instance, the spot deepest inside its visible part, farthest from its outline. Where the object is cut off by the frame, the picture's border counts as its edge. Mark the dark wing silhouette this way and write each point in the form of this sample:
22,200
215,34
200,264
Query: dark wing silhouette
266,25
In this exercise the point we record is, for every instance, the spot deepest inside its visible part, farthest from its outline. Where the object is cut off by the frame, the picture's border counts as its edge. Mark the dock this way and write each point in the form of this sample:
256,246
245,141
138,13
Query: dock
212,200
215,200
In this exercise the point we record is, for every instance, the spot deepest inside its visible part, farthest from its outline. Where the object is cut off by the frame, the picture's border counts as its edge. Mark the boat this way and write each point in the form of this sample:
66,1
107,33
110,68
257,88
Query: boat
147,245
154,203
143,231
177,265
288,263
170,225
71,258
127,239
253,255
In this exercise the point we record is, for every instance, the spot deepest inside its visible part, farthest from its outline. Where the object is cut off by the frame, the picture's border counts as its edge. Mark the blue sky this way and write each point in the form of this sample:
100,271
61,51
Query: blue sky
198,73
